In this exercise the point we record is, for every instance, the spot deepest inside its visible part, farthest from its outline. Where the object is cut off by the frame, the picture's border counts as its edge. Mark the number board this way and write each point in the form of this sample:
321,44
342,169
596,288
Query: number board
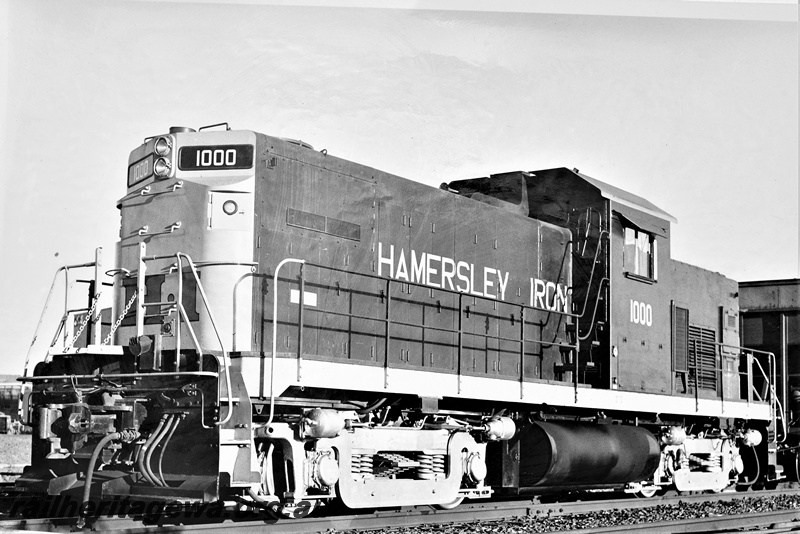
140,171
215,157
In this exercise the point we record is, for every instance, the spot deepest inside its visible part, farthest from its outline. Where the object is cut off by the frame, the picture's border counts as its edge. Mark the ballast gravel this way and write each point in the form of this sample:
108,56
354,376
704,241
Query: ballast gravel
608,518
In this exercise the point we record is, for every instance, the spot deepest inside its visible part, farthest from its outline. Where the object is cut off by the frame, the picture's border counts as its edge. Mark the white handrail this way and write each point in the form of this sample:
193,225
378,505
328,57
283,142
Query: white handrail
775,404
62,323
225,356
275,337
182,313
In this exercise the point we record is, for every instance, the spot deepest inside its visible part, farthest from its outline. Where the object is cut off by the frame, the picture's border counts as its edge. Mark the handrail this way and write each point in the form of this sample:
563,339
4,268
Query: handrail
769,375
522,307
594,311
415,284
179,258
39,324
389,321
39,378
65,269
275,336
225,355
440,329
179,300
140,309
591,274
784,423
775,404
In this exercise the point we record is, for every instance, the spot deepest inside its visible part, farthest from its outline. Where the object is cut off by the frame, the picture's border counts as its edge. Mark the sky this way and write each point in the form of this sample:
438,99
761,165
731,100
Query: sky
691,105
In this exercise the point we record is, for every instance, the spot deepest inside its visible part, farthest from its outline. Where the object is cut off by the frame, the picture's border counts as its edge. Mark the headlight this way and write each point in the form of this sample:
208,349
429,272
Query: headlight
162,146
162,167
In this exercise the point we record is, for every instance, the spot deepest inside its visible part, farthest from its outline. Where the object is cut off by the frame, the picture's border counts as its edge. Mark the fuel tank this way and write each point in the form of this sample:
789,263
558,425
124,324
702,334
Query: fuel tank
580,454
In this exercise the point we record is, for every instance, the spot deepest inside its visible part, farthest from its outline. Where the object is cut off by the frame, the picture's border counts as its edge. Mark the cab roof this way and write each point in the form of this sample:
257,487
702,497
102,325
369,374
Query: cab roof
623,197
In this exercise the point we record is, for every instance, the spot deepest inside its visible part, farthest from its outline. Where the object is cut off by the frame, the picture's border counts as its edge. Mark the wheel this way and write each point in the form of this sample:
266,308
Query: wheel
264,458
450,505
647,492
266,498
293,511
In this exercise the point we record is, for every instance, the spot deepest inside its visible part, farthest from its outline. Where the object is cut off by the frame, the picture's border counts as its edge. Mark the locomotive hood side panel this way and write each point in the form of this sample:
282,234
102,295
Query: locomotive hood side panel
481,259
708,304
369,237
314,208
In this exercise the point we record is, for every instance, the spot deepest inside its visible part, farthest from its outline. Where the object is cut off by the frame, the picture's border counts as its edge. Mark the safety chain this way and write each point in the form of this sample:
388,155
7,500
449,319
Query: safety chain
122,315
86,320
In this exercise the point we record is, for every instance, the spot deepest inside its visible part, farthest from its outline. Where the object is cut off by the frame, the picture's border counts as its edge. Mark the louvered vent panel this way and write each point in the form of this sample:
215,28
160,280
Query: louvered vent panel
703,354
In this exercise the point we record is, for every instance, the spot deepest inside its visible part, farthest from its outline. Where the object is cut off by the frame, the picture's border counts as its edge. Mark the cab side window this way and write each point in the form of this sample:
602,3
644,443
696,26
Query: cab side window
639,254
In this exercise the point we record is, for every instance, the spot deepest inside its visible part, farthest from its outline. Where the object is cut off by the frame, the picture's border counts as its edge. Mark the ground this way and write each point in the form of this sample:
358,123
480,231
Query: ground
15,451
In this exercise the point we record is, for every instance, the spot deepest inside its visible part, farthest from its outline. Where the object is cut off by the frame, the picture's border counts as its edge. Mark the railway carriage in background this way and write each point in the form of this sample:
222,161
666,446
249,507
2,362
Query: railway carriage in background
292,328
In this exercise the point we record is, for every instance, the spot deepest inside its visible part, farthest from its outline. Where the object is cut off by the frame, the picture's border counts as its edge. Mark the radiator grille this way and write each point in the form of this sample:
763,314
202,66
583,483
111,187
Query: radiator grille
703,356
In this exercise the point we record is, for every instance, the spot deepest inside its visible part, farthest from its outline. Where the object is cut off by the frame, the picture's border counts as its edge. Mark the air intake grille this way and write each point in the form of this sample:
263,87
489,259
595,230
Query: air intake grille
703,355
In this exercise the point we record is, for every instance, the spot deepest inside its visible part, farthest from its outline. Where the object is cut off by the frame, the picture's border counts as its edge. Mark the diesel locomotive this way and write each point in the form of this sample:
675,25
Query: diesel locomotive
295,329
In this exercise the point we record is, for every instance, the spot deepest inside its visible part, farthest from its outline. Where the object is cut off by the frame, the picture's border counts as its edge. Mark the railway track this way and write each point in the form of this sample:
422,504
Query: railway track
686,513
783,521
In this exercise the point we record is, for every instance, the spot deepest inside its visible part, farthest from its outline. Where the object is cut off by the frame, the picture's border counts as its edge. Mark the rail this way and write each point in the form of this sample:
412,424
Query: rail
681,513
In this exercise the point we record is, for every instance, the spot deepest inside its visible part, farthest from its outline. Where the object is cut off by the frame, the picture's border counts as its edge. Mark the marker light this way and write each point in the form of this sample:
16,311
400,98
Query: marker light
230,207
162,146
162,167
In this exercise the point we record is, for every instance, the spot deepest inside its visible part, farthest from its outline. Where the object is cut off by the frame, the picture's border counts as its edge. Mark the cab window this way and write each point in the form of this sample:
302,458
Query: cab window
639,254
